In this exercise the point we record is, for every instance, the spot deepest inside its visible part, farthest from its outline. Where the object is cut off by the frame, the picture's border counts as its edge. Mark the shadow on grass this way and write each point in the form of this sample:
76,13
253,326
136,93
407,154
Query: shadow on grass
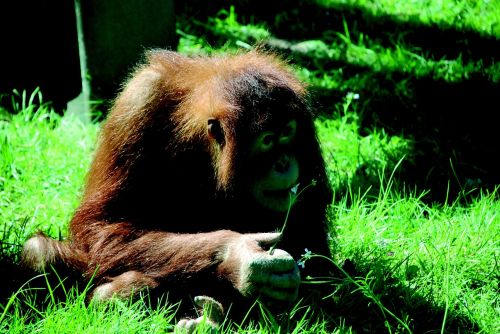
305,19
11,276
370,299
451,126
366,297
17,282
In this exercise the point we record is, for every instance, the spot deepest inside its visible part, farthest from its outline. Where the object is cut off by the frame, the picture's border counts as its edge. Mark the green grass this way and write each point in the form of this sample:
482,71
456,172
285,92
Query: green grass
414,266
407,264
444,254
43,161
479,16
77,316
354,160
367,52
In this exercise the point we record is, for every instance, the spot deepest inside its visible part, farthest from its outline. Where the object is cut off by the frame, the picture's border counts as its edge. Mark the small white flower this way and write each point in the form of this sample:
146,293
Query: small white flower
295,188
352,96
307,254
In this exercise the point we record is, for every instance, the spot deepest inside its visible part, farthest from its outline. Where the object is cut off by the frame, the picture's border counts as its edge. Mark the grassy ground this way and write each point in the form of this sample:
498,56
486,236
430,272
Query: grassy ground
408,266
478,16
418,249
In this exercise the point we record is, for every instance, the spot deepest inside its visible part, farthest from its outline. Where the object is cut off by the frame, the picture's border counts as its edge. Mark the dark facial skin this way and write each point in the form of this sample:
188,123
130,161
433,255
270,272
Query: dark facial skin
272,189
271,163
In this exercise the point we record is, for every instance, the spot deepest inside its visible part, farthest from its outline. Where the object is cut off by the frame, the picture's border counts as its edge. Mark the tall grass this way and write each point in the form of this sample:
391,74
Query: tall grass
406,265
78,316
43,161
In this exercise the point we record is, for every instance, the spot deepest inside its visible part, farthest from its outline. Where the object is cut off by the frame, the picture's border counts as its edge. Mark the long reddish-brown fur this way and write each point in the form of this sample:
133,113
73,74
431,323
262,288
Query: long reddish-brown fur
162,202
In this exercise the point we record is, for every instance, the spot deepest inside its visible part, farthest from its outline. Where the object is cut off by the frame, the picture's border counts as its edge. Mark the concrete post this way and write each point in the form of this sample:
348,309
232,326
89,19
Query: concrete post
113,35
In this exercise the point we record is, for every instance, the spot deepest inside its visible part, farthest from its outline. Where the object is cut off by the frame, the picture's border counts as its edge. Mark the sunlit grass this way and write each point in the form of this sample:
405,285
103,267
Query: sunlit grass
43,161
354,51
480,16
418,266
409,255
76,315
355,159
445,254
